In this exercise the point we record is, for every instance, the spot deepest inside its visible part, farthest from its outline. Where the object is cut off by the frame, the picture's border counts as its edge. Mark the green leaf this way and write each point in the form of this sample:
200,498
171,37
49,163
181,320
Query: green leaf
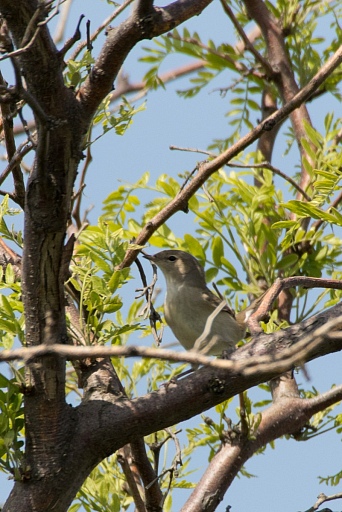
211,274
217,250
231,269
284,224
308,149
9,274
194,247
314,136
309,210
117,279
287,261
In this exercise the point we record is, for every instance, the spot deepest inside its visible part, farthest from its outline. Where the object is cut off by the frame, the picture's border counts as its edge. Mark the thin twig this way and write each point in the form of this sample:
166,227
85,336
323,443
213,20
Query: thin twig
193,150
28,97
285,284
22,150
186,181
76,37
76,212
55,13
208,325
12,152
62,21
178,456
103,25
177,461
268,165
25,125
33,23
25,46
148,290
249,46
9,194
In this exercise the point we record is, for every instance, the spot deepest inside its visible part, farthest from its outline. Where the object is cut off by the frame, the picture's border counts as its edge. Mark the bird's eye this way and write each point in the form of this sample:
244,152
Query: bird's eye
172,258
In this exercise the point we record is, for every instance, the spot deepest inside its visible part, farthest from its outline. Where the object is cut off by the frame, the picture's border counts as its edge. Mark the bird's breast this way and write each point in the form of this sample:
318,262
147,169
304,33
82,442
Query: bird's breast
186,313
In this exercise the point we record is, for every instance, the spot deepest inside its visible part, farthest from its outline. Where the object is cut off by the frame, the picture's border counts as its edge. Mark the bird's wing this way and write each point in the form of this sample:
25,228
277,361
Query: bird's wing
214,301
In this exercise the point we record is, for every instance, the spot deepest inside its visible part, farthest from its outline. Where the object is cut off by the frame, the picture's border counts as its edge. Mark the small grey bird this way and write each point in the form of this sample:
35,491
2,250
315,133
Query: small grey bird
189,303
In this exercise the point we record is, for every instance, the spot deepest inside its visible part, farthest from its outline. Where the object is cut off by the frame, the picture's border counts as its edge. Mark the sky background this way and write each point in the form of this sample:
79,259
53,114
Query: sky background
286,478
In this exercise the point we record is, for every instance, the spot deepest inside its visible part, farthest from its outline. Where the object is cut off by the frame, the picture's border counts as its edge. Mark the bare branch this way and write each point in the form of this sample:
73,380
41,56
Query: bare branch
76,211
100,28
193,150
59,32
70,43
7,255
21,151
208,325
20,51
148,291
285,284
322,498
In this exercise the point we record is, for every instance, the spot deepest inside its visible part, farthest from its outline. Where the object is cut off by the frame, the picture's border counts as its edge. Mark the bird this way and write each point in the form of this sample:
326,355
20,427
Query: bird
189,302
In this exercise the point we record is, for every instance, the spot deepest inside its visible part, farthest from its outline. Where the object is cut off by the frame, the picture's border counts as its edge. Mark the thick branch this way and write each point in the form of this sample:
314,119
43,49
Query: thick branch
60,133
200,391
286,416
266,354
113,424
41,60
122,39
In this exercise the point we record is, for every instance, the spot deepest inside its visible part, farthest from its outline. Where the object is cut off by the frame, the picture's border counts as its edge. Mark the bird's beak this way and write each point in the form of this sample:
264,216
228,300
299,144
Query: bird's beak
149,257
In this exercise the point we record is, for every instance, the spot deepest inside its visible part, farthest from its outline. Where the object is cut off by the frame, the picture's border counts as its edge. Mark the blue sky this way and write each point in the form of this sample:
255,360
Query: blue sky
286,476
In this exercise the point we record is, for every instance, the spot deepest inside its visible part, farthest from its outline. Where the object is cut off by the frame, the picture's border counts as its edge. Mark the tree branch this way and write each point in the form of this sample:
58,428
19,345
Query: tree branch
265,354
12,155
248,45
123,38
283,75
100,28
278,172
322,498
124,458
287,416
153,494
208,168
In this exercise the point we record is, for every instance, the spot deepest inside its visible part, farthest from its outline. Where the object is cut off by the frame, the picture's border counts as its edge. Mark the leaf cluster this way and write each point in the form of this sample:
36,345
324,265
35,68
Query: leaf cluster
301,22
